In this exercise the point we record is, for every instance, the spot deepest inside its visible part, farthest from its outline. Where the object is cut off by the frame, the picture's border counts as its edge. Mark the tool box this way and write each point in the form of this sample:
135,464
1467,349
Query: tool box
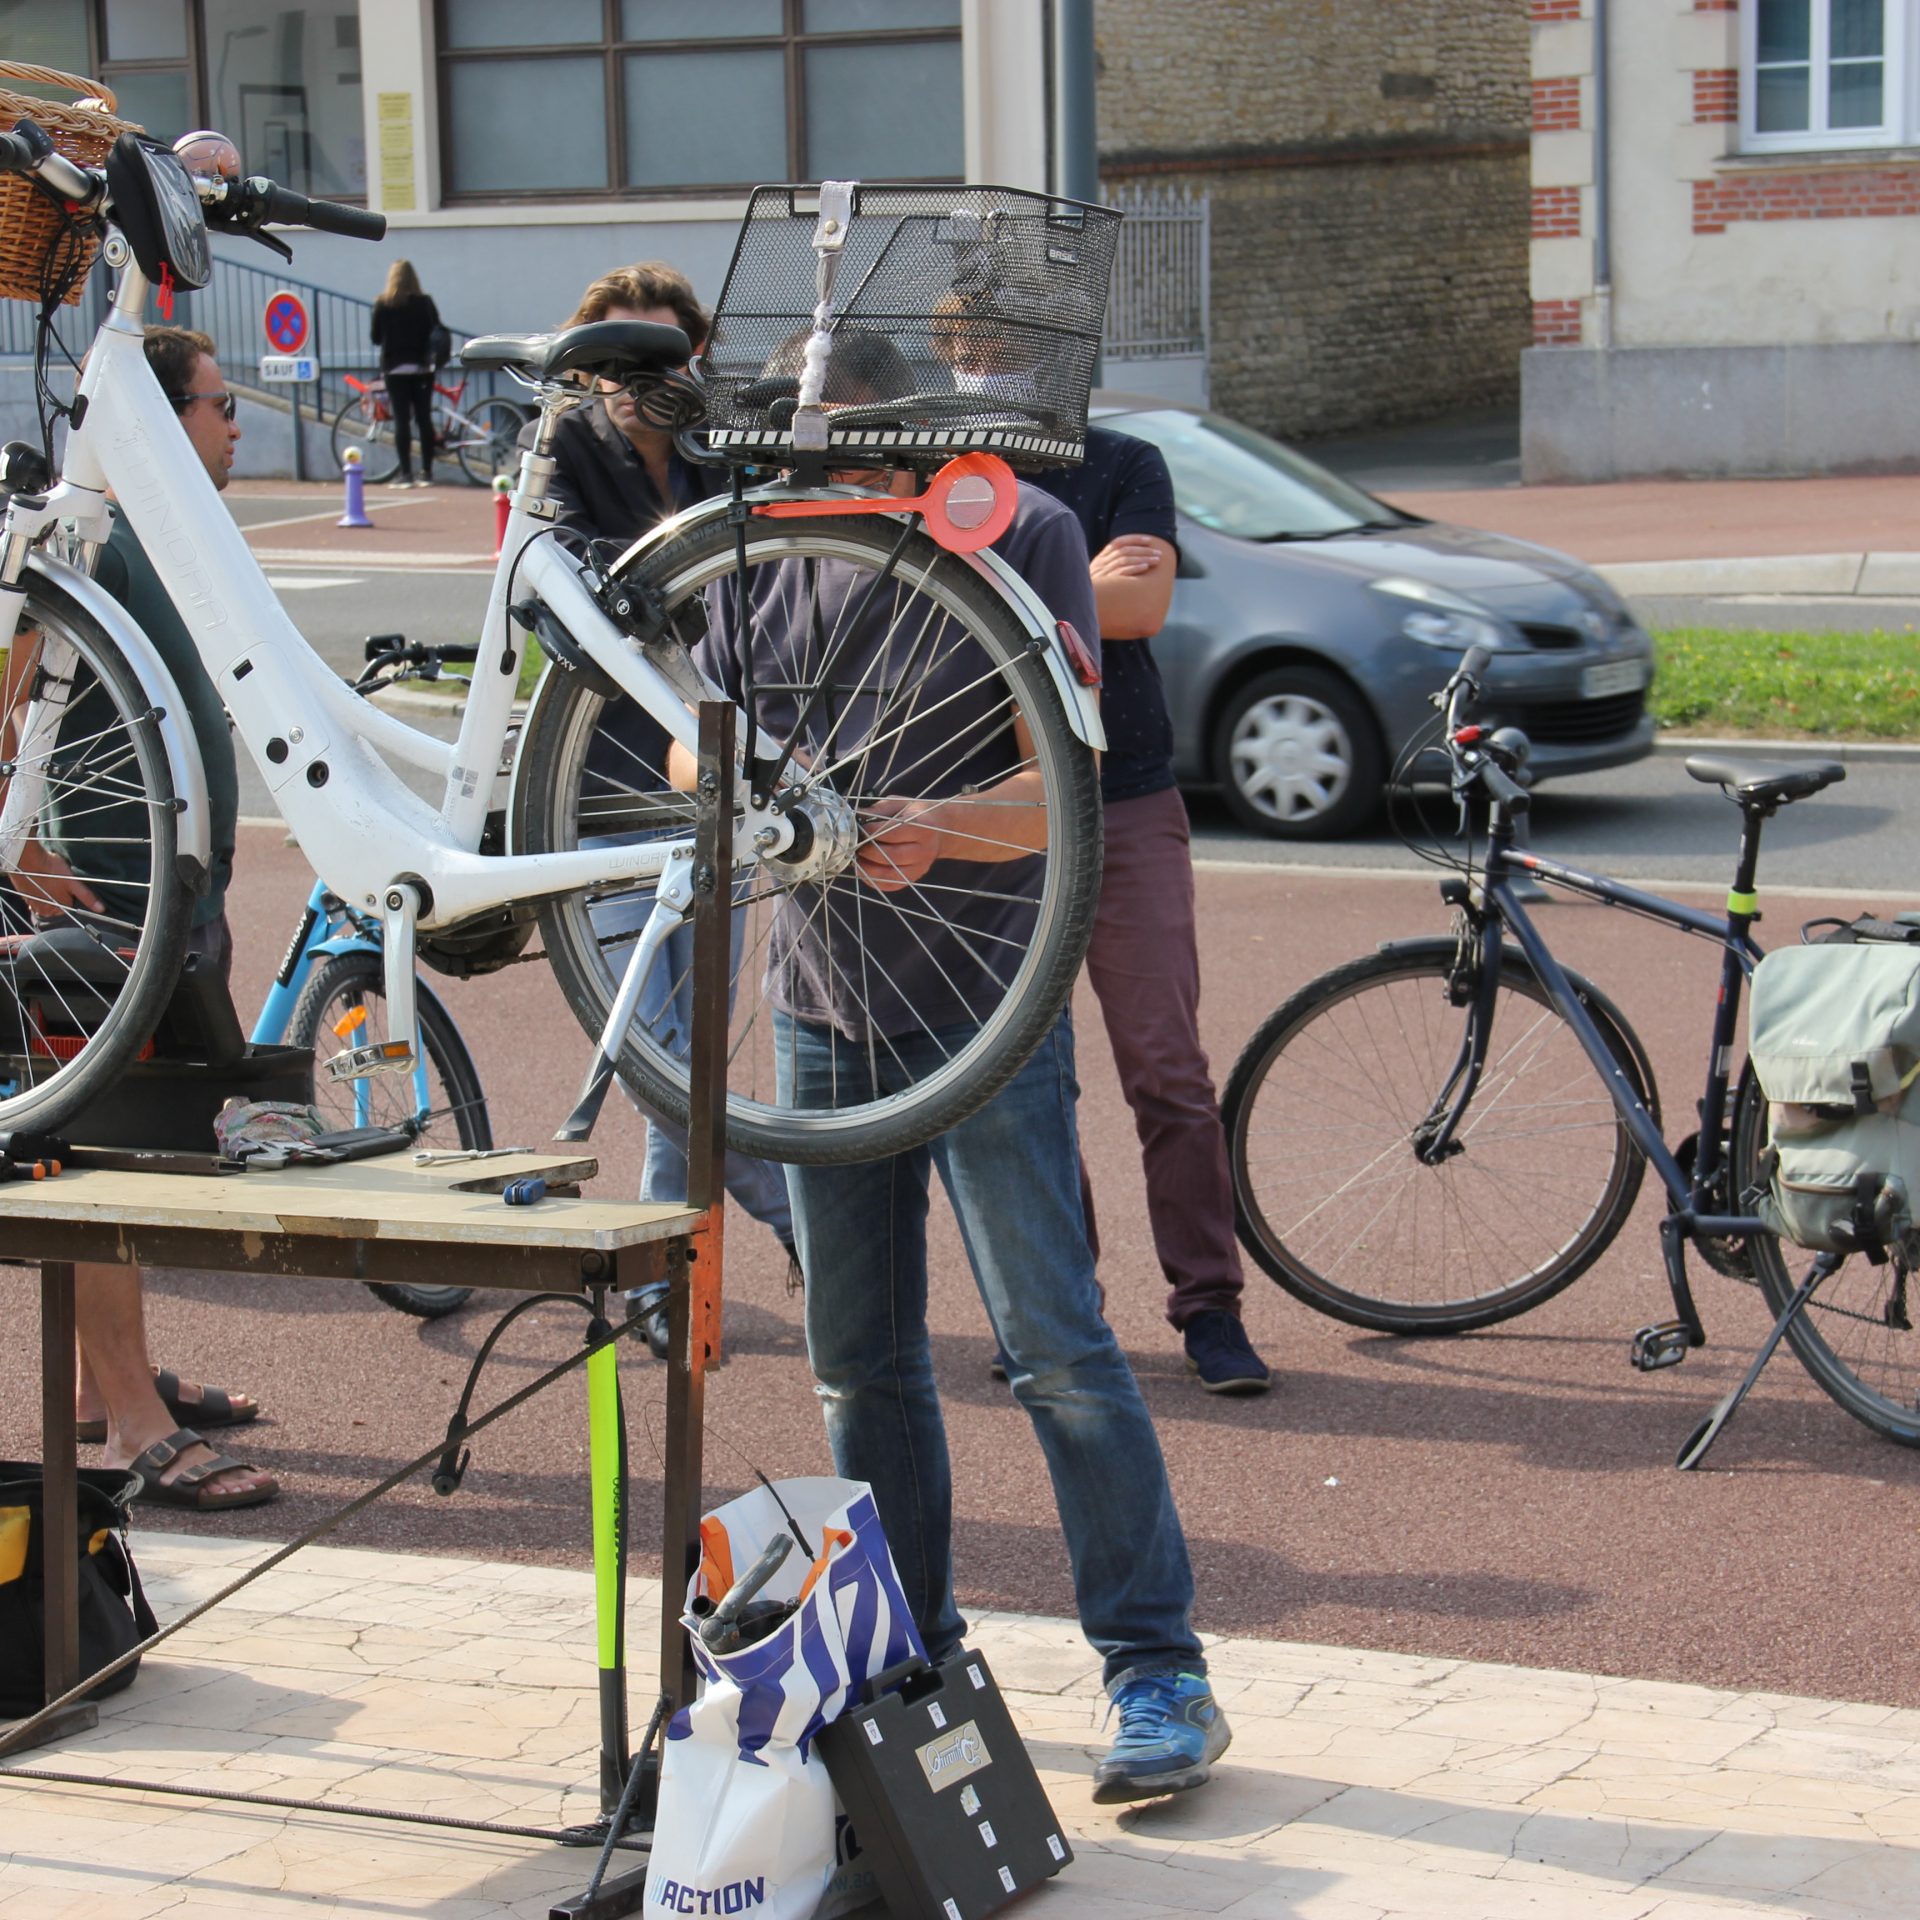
942,1798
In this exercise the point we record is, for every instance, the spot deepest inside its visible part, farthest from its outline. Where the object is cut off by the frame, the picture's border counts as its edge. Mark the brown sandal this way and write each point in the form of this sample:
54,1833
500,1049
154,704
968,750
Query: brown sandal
188,1487
215,1408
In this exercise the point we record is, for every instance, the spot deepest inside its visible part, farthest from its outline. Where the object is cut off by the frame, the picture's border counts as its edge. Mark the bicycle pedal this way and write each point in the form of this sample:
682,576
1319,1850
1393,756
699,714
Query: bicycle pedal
360,1063
1664,1345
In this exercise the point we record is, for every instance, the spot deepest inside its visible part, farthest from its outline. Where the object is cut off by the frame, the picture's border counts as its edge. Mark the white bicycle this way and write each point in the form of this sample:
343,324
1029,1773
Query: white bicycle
897,642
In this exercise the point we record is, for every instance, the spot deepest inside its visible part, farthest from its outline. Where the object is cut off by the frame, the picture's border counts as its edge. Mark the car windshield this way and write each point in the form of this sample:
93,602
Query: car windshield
1239,482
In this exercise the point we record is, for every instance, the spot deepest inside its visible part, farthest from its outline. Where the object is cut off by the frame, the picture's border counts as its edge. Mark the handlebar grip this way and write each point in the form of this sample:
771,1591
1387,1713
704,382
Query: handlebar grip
1473,663
16,155
282,207
354,223
1503,790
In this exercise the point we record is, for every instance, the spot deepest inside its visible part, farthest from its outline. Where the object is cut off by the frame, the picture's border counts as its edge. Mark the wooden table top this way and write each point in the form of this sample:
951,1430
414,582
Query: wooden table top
384,1199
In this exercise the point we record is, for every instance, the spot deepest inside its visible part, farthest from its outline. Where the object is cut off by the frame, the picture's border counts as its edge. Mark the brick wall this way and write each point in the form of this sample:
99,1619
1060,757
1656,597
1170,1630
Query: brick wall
1556,323
1841,193
1556,213
1544,10
1556,105
1369,175
1716,95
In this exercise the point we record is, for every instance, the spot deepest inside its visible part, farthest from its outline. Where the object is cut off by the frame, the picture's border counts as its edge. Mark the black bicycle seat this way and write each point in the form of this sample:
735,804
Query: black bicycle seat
617,349
1756,784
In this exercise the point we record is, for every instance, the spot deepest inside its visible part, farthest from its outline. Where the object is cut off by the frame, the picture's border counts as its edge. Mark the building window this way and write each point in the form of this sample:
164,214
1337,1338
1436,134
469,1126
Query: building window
1826,74
586,98
283,81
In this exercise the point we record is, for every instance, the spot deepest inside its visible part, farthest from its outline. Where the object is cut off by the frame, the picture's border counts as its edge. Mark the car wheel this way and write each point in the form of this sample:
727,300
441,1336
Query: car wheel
1297,756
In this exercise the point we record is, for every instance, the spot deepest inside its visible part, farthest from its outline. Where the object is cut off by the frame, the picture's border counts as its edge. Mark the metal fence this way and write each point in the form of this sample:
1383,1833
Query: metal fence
1158,307
230,309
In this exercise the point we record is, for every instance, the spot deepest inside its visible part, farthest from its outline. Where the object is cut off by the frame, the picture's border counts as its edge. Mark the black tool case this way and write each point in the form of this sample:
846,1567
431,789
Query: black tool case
945,1804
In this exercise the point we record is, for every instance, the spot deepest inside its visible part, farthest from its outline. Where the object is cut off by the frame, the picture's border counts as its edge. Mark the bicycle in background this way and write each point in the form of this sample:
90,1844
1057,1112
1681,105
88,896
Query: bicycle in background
484,440
1444,1134
331,988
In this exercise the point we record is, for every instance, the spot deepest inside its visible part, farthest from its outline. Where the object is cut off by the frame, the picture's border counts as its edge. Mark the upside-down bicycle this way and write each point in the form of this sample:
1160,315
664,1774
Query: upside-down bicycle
586,822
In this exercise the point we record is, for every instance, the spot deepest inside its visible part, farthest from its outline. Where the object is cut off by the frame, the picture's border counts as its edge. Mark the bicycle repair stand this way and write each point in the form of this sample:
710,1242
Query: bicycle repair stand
693,1335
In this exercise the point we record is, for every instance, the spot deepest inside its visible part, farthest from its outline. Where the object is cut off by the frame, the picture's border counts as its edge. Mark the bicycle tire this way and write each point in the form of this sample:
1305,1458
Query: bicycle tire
490,444
1285,1108
566,796
379,457
348,981
1844,1337
79,998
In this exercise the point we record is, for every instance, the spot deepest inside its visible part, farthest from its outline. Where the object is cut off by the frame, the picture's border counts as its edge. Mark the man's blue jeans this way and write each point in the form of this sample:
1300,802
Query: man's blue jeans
1012,1175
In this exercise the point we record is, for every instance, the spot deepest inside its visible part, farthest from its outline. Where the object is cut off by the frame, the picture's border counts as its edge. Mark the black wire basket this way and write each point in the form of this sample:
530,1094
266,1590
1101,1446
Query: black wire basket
959,319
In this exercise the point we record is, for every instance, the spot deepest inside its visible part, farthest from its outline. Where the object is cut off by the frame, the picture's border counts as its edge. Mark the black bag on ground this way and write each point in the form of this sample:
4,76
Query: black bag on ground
114,1614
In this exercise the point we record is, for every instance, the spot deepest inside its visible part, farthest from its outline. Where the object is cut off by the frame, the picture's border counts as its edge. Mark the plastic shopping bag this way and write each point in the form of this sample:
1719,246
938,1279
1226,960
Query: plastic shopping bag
746,1816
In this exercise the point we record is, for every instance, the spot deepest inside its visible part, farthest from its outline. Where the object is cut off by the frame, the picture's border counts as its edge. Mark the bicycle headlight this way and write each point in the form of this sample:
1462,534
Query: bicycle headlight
1437,618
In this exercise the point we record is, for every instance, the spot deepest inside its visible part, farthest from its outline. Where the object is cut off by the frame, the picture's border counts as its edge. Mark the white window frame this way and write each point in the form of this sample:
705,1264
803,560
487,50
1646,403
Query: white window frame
1901,126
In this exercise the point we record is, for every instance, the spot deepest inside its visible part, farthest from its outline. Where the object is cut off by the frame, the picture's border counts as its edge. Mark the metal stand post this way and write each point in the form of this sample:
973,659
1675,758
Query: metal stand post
693,1332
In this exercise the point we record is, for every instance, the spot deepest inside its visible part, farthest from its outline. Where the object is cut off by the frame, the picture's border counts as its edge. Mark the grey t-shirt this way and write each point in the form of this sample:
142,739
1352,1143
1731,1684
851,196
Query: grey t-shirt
912,716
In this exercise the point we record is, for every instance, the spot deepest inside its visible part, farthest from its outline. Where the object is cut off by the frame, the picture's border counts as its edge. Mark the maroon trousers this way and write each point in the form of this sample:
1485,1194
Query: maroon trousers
1144,964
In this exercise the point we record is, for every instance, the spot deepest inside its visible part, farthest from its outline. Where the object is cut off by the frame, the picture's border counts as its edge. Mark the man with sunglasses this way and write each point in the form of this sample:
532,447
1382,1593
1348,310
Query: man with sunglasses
151,1422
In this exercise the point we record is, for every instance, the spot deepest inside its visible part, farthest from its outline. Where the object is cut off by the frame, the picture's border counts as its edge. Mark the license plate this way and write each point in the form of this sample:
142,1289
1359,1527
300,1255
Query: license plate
1614,676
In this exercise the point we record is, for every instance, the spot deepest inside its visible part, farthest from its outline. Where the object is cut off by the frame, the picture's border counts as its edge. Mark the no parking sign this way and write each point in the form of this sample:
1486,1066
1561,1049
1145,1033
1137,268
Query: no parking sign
285,321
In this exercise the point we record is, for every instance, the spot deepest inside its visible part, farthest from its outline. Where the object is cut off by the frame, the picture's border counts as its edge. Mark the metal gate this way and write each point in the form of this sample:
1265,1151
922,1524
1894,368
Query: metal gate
1157,316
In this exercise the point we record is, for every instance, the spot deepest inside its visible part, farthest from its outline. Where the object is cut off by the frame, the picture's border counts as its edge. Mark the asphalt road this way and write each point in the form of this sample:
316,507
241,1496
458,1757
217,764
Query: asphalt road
1507,1495
1651,821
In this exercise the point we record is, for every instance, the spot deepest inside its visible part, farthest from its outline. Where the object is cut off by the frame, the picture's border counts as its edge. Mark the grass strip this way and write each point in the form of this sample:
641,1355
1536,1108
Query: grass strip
1859,686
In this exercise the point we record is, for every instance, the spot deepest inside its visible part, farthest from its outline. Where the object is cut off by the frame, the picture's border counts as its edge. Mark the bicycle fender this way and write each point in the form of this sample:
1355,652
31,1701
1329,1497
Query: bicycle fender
1081,703
192,828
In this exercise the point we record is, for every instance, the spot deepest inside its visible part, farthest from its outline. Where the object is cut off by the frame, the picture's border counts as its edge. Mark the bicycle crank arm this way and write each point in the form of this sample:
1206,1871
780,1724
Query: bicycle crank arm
670,903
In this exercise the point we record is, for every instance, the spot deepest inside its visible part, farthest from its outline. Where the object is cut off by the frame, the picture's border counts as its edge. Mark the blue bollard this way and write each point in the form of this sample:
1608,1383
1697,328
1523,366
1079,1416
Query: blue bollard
356,513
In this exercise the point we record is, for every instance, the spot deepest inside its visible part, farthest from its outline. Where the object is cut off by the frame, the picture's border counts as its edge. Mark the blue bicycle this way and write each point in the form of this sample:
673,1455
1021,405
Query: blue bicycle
329,992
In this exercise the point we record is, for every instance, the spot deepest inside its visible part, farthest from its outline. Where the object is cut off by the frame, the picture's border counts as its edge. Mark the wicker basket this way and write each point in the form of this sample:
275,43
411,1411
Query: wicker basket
30,224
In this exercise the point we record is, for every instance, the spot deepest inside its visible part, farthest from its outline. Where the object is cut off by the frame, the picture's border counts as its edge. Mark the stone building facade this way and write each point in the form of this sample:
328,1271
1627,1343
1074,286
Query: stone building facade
1367,164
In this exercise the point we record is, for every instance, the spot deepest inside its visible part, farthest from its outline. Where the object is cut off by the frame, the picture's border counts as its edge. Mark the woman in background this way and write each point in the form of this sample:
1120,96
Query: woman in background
404,323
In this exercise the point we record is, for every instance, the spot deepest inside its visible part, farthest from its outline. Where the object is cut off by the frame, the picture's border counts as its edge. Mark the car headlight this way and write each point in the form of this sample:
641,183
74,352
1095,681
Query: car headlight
1438,618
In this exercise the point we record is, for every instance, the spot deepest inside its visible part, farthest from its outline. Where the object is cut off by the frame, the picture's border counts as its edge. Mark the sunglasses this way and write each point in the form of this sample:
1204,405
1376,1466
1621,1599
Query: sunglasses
229,402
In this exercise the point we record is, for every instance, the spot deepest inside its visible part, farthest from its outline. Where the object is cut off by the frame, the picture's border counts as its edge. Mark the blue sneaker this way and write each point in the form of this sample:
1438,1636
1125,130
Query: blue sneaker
1171,1733
1219,1351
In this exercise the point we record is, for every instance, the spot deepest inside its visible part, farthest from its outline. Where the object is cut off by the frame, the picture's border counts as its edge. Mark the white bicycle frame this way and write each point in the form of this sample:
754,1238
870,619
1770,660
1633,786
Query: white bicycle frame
322,749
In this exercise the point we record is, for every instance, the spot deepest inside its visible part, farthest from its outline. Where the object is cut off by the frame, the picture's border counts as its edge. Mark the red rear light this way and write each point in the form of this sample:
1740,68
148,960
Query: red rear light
1084,664
1469,736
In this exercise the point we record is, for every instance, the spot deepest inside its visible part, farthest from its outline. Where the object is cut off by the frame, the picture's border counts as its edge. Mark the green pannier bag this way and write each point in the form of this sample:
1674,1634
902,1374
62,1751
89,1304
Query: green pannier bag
1834,1036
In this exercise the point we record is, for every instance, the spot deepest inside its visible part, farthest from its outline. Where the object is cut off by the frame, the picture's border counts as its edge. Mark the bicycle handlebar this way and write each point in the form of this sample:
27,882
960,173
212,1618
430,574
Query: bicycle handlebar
282,207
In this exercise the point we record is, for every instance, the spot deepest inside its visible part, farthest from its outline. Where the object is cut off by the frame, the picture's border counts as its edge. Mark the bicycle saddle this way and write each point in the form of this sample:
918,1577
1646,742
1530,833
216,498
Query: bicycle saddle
1754,783
618,349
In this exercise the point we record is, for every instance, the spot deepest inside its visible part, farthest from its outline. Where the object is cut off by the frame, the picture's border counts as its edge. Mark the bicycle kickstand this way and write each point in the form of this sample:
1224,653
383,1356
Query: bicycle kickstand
1709,1429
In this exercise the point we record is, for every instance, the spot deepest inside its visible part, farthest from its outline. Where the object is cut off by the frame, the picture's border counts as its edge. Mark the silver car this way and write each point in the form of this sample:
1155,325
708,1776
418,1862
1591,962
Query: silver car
1310,622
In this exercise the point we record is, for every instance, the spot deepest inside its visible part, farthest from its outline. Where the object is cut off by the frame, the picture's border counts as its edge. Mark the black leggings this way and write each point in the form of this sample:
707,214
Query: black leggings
412,398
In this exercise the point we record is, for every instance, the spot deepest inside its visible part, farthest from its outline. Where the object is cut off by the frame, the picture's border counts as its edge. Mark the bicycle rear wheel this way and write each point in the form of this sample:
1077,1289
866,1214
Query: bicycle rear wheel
355,426
940,698
1855,1336
345,999
490,441
82,988
1333,1203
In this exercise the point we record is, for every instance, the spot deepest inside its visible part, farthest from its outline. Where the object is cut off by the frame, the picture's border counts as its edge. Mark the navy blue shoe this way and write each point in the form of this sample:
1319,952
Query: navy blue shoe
1171,1733
1219,1351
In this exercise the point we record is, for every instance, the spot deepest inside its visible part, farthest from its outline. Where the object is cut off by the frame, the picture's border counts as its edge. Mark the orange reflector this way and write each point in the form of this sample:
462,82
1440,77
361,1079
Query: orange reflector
351,1021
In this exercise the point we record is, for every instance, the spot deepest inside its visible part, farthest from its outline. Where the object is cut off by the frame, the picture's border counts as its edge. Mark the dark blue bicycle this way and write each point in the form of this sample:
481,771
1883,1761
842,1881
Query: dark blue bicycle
1447,1132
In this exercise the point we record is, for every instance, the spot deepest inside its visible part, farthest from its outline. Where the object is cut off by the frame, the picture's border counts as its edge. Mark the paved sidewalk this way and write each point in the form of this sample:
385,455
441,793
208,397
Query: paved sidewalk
1360,1786
1848,536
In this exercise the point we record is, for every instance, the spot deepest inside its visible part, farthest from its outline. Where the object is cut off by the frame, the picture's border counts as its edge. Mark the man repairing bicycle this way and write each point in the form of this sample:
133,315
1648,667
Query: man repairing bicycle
1011,1171
151,1420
